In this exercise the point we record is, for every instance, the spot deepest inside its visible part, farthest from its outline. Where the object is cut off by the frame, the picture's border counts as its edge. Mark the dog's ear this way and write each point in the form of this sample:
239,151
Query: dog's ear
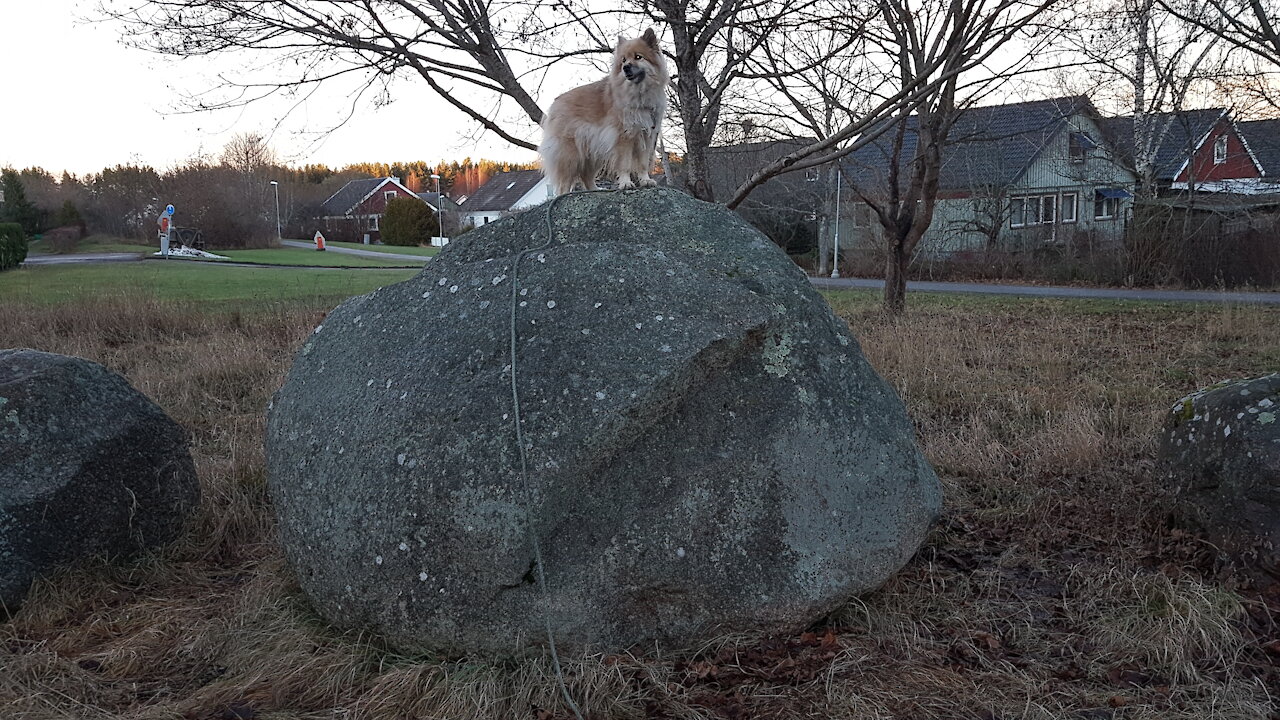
621,39
650,38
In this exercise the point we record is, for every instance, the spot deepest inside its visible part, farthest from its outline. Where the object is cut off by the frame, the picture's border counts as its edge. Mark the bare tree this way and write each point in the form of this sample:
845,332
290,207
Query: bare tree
1250,25
481,56
458,48
248,153
1149,60
925,60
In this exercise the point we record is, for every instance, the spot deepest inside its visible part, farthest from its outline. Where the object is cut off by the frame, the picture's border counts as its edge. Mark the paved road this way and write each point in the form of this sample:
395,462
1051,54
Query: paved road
353,251
82,258
1262,298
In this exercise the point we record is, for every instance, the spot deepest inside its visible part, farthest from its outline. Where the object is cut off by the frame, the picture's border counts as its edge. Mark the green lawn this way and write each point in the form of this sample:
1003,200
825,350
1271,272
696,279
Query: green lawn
185,281
298,256
396,249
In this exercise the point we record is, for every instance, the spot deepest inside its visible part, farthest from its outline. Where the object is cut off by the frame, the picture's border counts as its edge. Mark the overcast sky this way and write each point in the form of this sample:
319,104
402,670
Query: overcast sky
77,99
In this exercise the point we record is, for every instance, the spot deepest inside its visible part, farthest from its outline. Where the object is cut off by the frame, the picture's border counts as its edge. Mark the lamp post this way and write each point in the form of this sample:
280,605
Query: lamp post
835,254
276,185
439,209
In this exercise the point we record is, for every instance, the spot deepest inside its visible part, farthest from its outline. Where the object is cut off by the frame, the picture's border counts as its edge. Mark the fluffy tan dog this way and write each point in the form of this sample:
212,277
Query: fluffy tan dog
611,124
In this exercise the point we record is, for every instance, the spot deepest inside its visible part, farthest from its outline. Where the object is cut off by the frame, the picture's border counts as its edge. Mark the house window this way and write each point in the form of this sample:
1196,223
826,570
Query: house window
1106,202
389,194
1017,208
811,174
486,219
373,222
1078,146
1220,150
861,215
1034,210
1068,207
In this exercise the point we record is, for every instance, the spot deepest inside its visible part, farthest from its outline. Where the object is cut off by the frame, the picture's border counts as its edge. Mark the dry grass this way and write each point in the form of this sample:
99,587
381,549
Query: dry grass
1052,589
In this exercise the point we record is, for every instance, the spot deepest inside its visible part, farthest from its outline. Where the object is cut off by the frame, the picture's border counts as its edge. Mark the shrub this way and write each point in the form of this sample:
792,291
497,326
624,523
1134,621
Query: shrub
408,221
16,208
13,245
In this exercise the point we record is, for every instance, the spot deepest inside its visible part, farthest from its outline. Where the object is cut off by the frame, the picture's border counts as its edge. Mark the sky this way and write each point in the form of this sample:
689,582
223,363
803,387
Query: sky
77,99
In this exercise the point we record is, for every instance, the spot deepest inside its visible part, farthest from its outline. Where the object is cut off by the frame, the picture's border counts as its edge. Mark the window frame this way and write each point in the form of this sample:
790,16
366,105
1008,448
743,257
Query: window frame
1101,203
1062,215
1018,219
1048,209
1079,143
1035,210
387,195
1220,149
861,215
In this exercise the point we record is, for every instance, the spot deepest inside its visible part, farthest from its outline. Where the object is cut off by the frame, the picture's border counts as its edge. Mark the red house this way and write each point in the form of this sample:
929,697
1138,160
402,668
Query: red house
1222,161
356,209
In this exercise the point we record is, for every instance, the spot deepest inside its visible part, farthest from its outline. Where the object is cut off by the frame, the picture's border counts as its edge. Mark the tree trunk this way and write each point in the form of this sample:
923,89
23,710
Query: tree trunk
827,229
895,278
695,165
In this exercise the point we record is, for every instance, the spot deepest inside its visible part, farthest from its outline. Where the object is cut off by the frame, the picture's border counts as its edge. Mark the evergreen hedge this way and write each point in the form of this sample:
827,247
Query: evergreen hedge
13,246
408,221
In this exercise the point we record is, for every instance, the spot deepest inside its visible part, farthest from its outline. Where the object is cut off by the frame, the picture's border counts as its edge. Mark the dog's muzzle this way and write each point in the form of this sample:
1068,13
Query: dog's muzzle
633,73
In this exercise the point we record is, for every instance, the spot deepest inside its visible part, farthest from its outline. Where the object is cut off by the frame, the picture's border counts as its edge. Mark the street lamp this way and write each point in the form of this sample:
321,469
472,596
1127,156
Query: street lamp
276,185
835,255
439,209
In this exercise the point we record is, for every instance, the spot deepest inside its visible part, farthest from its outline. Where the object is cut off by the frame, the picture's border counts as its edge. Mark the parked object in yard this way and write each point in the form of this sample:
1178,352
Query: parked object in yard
88,467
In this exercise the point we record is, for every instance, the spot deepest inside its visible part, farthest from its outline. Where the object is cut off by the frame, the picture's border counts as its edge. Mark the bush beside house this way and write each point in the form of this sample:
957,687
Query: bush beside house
408,221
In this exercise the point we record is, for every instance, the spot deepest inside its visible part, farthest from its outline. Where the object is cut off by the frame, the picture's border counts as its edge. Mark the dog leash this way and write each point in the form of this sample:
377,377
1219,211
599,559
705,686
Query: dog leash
524,460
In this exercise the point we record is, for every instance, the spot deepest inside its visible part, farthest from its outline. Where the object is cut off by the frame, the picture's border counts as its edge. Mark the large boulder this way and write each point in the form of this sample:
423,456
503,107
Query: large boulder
88,467
1220,451
708,450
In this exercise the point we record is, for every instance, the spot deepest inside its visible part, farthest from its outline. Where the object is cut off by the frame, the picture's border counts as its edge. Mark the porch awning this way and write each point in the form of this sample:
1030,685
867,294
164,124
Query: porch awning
1114,193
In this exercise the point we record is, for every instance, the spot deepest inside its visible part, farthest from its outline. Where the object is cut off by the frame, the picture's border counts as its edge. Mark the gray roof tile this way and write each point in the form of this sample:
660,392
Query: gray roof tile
1263,137
988,146
349,195
502,191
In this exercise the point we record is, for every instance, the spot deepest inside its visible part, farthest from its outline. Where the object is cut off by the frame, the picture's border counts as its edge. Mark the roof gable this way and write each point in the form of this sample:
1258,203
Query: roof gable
1184,132
502,191
350,196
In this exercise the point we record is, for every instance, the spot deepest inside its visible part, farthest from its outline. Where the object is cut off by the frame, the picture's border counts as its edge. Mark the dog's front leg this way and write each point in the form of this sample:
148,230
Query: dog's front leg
648,149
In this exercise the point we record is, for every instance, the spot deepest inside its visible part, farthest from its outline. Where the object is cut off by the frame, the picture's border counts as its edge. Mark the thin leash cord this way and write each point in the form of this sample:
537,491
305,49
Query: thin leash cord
524,461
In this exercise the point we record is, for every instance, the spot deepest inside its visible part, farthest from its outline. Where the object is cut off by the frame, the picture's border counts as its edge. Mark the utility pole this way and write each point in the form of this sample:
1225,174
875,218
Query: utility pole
276,185
439,209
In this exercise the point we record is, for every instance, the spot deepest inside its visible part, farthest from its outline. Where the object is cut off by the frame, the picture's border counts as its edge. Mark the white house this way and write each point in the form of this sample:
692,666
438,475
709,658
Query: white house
504,193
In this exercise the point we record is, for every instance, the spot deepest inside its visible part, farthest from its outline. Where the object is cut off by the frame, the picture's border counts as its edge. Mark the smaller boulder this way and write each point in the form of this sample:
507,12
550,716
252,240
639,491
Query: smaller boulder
88,466
1220,450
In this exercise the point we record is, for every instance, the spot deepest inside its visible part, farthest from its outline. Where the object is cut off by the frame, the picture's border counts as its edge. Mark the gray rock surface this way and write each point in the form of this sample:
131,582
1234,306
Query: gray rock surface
88,466
708,448
1220,451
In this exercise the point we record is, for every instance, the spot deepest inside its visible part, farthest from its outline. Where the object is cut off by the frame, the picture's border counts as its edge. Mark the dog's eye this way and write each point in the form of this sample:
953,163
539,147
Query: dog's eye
639,57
